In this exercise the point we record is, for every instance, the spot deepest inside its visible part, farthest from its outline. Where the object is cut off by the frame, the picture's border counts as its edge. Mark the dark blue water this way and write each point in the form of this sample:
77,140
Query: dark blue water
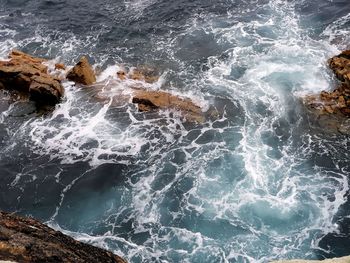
261,181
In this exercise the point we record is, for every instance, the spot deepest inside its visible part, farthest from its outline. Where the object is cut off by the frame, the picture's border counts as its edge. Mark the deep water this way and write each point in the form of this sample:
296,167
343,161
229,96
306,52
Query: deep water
263,181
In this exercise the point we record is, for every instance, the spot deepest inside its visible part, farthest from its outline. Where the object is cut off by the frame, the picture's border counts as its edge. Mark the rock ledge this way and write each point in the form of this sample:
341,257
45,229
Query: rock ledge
28,240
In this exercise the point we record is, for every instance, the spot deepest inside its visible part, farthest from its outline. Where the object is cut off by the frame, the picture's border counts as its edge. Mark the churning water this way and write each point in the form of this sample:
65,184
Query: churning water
262,181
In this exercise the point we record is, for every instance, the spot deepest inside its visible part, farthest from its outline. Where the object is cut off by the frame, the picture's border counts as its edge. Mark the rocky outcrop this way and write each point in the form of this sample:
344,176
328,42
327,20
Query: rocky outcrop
149,100
336,101
28,75
340,65
332,260
28,240
146,98
82,73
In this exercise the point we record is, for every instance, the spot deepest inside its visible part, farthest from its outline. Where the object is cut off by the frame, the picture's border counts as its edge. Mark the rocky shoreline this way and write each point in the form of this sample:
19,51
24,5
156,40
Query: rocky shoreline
28,240
32,78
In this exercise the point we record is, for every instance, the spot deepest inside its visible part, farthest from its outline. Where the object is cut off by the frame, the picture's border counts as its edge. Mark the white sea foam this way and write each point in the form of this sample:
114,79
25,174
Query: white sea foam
136,7
273,189
236,196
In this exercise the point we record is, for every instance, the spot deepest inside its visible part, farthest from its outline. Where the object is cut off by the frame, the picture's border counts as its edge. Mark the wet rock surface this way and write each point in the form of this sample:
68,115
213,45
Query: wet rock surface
82,73
333,108
28,240
143,73
28,75
340,65
149,100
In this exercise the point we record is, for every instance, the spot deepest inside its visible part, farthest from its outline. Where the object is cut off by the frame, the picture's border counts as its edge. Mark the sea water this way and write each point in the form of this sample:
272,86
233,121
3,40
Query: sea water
260,181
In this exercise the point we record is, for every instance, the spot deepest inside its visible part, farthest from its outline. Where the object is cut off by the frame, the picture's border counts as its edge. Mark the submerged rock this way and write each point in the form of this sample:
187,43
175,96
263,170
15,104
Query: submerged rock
141,73
28,240
82,73
28,75
148,100
144,73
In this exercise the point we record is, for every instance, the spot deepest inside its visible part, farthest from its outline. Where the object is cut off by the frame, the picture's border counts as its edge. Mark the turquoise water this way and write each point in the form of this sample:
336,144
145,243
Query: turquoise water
262,181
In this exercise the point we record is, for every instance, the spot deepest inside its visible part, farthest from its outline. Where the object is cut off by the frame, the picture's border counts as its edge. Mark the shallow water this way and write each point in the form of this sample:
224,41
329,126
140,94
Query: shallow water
262,181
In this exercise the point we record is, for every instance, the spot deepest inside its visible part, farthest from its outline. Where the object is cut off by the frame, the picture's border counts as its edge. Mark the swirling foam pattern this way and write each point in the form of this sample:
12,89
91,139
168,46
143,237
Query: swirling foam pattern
258,183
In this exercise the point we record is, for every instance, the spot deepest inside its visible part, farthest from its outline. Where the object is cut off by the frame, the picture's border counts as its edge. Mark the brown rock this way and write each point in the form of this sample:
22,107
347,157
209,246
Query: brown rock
82,73
324,95
45,90
121,74
340,65
144,73
345,111
338,100
19,55
341,102
148,100
28,75
27,240
20,58
329,109
60,66
136,75
345,53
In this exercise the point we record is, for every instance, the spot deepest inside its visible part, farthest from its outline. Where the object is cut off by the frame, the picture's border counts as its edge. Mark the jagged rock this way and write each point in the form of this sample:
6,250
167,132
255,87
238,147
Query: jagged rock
340,65
338,100
19,57
28,75
148,100
27,240
45,90
82,73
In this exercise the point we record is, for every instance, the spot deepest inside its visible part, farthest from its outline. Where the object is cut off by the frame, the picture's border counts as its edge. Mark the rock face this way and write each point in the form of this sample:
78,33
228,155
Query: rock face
148,100
29,75
341,66
335,102
338,100
82,73
27,240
